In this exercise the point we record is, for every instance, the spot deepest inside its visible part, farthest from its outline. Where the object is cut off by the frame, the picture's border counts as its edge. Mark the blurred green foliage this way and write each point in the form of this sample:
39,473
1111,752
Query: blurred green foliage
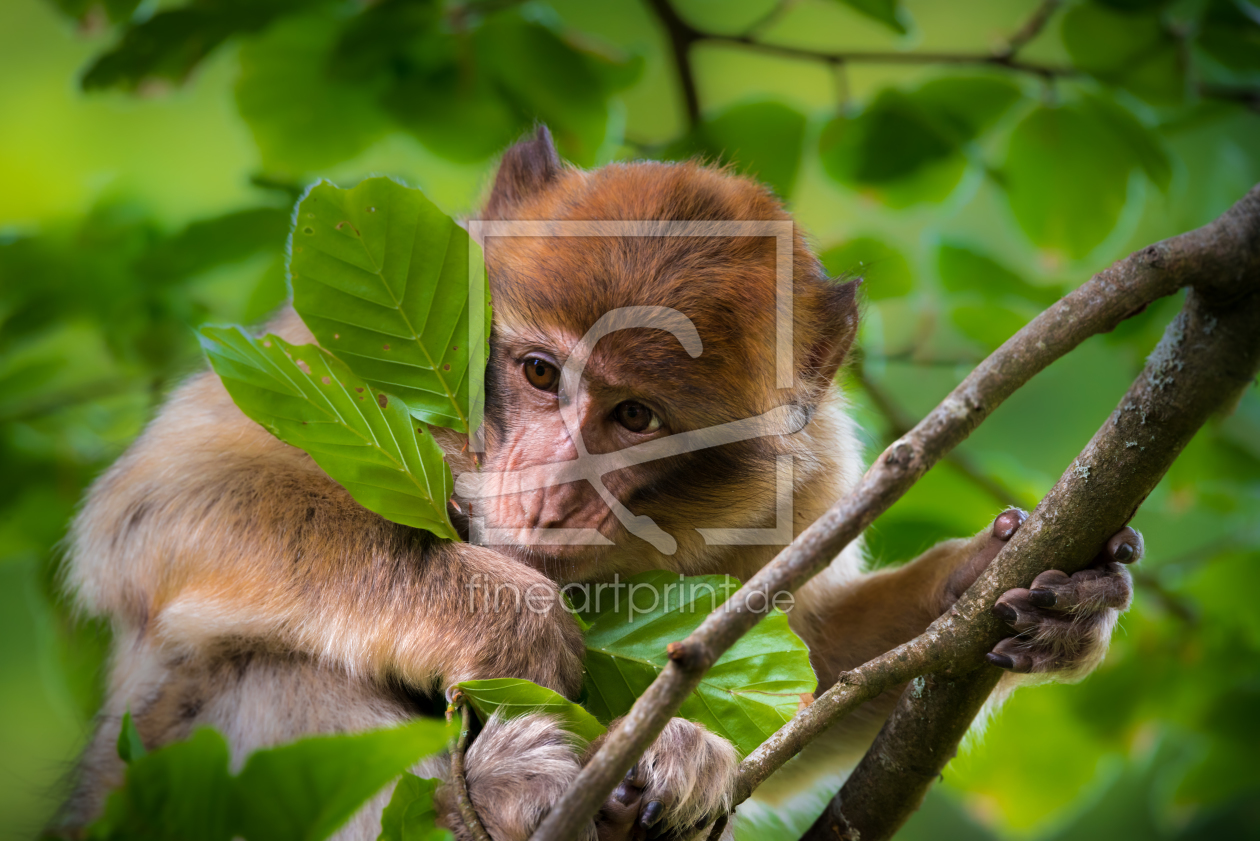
150,153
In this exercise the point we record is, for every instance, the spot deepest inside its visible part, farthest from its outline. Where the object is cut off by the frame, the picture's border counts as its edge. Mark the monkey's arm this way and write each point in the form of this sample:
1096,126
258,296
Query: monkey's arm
1061,625
210,530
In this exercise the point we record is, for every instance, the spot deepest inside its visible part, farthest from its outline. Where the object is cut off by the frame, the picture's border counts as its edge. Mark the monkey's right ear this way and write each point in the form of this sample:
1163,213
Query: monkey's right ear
527,168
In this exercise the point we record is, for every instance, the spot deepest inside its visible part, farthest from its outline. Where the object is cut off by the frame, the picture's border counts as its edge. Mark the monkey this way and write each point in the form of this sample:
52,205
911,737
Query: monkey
248,591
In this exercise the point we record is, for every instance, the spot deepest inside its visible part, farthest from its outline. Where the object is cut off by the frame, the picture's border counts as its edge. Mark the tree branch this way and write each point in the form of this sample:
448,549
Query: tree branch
1209,354
899,424
459,780
881,57
1031,29
681,36
1220,259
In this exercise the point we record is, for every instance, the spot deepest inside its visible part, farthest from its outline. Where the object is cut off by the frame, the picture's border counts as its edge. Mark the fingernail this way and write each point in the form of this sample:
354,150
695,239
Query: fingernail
1123,552
1041,597
651,814
633,772
1005,612
1000,660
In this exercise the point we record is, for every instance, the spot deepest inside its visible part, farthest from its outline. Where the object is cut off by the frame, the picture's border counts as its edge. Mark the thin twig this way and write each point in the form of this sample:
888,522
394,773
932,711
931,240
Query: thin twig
840,75
1220,258
459,746
1175,603
1031,29
899,424
771,17
681,36
880,57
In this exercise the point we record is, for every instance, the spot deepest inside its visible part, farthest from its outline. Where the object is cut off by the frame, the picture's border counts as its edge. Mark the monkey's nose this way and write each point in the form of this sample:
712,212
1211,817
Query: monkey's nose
563,506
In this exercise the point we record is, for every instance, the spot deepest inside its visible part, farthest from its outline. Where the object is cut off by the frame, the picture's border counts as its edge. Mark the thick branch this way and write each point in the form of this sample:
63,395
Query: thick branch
1208,356
1220,258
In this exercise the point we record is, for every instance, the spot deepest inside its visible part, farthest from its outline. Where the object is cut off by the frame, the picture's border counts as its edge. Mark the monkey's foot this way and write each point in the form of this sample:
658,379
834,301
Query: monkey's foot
1063,623
516,770
680,786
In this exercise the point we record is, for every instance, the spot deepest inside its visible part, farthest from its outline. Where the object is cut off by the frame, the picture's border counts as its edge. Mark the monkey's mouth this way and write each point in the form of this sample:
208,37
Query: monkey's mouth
562,564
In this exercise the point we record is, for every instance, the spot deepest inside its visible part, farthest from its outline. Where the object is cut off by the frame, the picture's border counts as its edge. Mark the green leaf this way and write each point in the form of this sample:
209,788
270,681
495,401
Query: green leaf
512,697
303,117
989,324
364,441
1134,51
1144,144
970,104
749,693
182,790
306,790
765,138
381,38
130,746
884,270
116,10
548,77
381,276
1067,179
208,243
411,815
909,145
1230,34
887,12
962,269
889,140
455,112
172,42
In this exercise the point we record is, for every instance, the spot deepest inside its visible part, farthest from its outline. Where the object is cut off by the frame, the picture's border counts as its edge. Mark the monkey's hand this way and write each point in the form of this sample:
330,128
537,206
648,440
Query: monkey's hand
676,790
518,768
1062,623
500,619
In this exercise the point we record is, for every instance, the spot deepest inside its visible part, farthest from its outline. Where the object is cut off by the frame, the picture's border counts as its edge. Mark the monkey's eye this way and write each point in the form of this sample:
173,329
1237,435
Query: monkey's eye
636,417
541,374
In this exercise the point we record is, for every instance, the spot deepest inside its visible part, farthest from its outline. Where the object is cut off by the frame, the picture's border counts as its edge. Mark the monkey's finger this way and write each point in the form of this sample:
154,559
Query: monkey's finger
1015,609
1004,528
1007,523
1089,591
1010,655
1125,546
651,814
1026,619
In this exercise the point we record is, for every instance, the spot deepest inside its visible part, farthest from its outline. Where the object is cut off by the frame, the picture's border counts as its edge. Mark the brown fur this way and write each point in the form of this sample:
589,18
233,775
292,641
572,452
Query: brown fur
250,592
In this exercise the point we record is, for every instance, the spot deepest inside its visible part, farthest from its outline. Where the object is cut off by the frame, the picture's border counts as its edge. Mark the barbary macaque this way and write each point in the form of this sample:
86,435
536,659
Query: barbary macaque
249,592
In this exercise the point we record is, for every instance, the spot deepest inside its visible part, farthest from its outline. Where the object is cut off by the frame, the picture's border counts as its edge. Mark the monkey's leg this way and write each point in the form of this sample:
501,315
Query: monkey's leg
1062,622
676,790
516,770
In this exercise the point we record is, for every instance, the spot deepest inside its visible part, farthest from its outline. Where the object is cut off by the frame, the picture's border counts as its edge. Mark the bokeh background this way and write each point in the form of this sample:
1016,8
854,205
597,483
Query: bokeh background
972,159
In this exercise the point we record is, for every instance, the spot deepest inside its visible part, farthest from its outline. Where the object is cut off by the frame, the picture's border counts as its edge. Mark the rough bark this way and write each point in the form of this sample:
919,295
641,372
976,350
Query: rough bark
1222,260
1208,355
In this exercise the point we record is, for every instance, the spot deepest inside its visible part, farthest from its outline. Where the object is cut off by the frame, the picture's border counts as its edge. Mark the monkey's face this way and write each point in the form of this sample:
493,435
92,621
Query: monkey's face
615,358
